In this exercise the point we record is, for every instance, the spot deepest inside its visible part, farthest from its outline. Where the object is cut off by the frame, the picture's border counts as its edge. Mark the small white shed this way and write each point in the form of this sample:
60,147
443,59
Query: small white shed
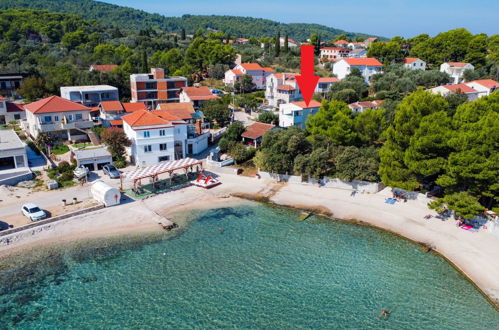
105,194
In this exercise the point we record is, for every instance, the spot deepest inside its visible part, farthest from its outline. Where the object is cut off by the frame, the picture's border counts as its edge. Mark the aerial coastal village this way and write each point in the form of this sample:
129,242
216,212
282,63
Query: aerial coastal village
99,121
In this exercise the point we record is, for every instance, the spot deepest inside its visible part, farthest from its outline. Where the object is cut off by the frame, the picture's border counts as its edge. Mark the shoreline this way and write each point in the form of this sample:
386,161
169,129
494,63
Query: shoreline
474,255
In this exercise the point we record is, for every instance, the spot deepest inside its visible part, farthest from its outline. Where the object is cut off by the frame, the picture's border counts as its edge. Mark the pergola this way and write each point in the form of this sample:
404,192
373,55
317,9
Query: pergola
155,170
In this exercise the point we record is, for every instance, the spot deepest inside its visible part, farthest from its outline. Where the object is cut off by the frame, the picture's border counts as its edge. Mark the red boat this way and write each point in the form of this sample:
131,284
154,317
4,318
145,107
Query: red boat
205,181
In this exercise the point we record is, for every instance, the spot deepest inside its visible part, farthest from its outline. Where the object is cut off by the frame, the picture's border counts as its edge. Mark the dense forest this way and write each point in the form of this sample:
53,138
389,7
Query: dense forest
133,19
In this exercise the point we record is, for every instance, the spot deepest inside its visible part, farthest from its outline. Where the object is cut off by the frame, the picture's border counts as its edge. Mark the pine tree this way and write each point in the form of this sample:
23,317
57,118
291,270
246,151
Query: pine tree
278,44
182,34
318,46
145,66
286,45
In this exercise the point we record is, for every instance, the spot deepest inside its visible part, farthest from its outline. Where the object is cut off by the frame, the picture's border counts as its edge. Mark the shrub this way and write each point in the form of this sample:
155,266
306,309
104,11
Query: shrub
120,163
63,166
65,176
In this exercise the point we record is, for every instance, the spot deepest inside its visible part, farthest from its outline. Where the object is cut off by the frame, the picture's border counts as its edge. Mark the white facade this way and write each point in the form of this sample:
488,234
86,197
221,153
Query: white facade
334,53
157,143
12,152
281,88
483,87
445,90
296,114
90,96
10,112
343,68
257,73
414,64
62,124
455,70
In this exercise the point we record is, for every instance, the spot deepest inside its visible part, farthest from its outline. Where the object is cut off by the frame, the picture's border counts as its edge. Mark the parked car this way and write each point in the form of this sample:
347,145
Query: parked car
80,172
111,171
33,212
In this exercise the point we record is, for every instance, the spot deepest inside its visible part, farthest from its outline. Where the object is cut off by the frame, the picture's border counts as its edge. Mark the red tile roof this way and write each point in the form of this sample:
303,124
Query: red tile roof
131,107
268,70
341,42
288,75
182,110
112,106
286,87
462,87
54,104
458,64
368,61
371,39
409,60
104,67
257,130
116,122
14,107
144,118
199,93
337,48
237,72
166,115
312,104
488,83
251,66
328,79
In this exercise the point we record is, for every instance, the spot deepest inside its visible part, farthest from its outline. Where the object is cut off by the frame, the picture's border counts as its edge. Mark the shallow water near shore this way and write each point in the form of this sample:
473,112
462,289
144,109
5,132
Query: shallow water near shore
249,266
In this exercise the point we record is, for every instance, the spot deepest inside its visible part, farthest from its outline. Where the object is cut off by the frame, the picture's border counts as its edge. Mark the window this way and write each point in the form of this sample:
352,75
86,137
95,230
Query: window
162,147
1,105
56,118
70,117
17,116
147,134
162,132
163,158
47,119
147,148
79,116
19,161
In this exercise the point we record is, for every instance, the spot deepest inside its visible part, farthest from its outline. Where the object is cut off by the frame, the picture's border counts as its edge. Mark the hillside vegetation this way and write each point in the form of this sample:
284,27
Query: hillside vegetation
133,19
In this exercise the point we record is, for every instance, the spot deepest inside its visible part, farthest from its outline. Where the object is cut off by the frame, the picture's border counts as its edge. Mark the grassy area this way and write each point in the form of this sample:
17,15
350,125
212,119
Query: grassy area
82,145
60,149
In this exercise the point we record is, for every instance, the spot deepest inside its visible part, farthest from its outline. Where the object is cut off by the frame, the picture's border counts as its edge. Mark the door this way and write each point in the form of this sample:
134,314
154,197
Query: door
189,148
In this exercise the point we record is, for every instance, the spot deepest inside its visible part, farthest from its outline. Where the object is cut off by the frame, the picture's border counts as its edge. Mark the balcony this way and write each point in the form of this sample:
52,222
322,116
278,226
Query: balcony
51,127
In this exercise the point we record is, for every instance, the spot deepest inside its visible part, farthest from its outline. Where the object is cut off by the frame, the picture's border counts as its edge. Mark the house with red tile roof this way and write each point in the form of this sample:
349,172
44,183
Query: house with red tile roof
414,63
456,70
297,113
369,41
10,111
254,133
470,92
341,43
255,70
58,117
325,84
111,111
197,95
281,88
362,106
367,66
159,135
483,86
103,67
332,54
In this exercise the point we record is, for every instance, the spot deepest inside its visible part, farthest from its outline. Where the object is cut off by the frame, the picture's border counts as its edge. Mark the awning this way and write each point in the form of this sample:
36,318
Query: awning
162,167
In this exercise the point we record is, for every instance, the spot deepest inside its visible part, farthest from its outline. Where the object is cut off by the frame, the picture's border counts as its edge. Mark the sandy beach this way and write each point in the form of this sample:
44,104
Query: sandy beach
474,254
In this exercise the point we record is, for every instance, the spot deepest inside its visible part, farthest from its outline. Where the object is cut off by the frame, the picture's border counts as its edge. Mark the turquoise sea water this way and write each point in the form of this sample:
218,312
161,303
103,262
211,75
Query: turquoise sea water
250,266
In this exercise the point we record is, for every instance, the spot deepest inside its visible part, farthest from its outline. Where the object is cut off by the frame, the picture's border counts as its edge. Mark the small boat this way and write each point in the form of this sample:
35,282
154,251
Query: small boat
205,181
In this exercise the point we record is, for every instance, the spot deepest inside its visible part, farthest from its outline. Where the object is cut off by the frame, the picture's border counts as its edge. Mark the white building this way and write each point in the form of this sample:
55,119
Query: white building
197,95
367,66
154,139
334,53
484,86
10,111
413,63
297,113
258,73
471,93
362,106
325,84
282,88
455,70
59,117
14,165
90,96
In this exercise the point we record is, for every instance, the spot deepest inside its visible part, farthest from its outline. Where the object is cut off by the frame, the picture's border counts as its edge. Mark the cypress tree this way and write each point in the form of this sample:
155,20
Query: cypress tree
286,46
278,44
182,34
144,64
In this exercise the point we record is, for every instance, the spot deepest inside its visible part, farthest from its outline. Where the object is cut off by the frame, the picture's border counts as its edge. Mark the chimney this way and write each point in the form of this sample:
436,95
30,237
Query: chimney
198,127
158,73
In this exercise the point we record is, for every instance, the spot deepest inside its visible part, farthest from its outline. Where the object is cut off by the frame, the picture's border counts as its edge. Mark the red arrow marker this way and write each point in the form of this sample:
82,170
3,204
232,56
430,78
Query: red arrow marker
307,81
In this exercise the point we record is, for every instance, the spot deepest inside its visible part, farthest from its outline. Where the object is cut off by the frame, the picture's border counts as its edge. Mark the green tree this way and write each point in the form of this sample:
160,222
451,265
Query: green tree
268,117
315,165
32,89
216,111
116,141
234,131
277,46
245,84
369,125
286,44
393,169
354,163
386,52
182,34
462,203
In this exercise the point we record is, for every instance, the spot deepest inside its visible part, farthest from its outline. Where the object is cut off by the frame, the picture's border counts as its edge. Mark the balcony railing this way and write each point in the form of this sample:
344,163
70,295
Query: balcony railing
49,127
